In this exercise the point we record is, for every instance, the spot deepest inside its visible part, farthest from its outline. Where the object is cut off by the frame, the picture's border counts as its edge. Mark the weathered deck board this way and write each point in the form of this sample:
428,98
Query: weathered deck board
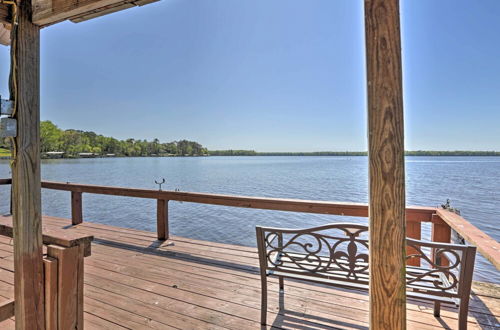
133,281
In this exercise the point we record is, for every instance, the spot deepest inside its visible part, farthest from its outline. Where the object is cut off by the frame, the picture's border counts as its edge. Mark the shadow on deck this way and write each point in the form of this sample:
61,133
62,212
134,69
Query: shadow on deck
134,281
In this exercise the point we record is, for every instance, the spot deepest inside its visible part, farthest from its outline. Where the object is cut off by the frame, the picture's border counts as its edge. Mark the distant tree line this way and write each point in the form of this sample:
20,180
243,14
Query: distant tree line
348,153
73,142
315,153
232,153
452,153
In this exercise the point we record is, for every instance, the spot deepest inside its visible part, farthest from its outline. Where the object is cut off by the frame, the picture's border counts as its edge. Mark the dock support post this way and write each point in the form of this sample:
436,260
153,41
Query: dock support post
162,219
386,162
76,208
27,221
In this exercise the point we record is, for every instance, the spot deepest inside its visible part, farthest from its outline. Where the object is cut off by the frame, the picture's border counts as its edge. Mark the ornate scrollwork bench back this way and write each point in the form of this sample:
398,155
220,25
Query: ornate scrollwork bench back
337,254
330,251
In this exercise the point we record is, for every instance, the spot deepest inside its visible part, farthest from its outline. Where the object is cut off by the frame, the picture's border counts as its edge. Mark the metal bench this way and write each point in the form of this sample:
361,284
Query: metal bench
337,255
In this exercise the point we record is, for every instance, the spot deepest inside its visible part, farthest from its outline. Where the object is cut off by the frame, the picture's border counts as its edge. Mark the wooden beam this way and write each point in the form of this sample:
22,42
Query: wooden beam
413,213
48,12
7,309
25,85
386,161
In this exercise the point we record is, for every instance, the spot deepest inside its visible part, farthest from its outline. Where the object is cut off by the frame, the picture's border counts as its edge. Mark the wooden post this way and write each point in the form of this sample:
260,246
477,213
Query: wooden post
76,208
25,88
162,219
69,285
386,161
413,230
51,312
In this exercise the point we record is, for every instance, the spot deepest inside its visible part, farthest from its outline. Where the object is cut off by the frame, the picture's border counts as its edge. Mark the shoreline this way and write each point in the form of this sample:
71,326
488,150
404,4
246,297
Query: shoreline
268,155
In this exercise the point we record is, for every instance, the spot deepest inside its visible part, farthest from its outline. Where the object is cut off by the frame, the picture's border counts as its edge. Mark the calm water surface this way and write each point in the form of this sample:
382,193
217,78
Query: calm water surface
472,184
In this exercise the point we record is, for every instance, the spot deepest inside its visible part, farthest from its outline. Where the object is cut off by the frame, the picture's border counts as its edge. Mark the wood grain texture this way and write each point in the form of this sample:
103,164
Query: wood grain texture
162,219
50,267
131,282
386,161
69,285
29,283
76,208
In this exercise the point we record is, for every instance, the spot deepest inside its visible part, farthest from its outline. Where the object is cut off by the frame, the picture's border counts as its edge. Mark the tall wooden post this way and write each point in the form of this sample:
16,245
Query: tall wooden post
386,159
25,83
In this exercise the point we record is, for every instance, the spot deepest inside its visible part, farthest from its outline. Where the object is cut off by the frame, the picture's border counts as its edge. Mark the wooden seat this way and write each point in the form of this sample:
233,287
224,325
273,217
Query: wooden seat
337,255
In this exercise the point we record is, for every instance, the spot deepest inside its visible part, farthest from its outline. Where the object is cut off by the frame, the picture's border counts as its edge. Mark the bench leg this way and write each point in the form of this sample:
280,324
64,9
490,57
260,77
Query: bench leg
263,300
437,309
282,284
463,312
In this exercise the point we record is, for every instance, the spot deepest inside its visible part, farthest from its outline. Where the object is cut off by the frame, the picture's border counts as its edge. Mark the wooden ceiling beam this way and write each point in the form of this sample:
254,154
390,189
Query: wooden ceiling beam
47,12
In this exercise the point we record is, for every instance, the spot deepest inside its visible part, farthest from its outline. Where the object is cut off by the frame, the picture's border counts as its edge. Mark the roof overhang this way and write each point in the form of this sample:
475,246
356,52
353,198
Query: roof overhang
47,12
4,35
4,24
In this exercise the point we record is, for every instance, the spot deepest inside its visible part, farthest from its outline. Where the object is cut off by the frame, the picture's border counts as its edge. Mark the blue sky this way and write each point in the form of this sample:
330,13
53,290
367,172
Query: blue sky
279,75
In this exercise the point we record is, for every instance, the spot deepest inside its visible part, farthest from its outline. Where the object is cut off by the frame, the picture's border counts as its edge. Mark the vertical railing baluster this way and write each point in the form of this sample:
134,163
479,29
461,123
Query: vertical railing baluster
441,232
162,219
76,208
413,230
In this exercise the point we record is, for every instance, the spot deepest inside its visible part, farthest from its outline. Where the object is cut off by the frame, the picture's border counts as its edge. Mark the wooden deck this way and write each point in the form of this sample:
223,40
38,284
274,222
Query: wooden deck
134,281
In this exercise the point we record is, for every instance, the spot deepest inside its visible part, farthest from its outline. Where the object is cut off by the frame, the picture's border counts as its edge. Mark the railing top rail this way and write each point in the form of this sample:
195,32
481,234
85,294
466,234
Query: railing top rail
486,245
414,213
5,181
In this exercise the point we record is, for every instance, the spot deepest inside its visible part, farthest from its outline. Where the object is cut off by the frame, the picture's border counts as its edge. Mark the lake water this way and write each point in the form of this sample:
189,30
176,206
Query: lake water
472,184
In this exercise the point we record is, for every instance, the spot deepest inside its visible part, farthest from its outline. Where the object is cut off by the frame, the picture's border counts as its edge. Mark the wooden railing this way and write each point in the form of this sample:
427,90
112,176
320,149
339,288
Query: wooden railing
63,273
443,222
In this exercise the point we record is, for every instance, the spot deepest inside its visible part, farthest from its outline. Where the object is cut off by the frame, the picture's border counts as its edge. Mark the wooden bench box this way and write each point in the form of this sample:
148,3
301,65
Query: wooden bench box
337,255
